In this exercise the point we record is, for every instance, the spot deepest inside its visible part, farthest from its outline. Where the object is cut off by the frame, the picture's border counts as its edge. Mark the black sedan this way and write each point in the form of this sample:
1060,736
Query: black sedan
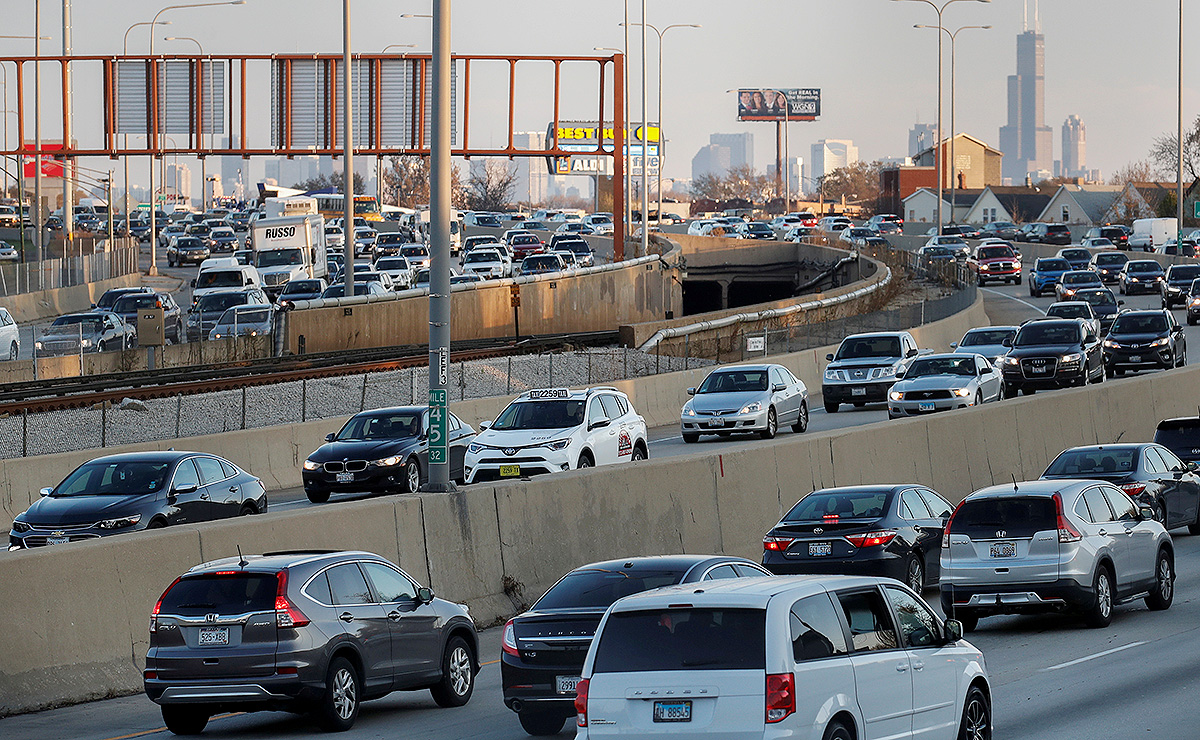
187,249
381,450
894,531
1151,474
127,307
1104,305
1144,340
134,491
1052,353
542,650
1140,276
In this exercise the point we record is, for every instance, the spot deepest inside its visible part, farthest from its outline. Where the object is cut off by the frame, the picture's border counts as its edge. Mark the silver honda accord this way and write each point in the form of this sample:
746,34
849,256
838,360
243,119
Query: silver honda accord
745,398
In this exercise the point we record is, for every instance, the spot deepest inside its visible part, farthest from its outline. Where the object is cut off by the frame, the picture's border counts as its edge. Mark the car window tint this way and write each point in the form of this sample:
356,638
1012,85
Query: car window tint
1122,506
912,506
938,505
720,572
816,630
230,471
918,627
389,583
870,622
749,571
318,590
1081,509
595,412
1173,463
1154,462
611,407
683,639
348,586
210,470
1097,506
186,475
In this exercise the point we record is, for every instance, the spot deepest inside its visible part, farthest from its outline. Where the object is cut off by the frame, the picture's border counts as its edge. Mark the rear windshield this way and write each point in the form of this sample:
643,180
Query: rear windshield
1082,463
224,594
594,588
1075,278
1097,297
683,639
869,347
987,336
846,504
1015,517
1180,437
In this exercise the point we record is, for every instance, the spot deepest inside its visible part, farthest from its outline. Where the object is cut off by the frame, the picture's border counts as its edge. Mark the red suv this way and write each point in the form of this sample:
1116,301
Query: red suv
524,245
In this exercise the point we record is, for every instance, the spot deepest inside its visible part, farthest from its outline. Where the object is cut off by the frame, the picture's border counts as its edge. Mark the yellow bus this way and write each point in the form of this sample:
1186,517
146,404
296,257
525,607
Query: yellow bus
332,205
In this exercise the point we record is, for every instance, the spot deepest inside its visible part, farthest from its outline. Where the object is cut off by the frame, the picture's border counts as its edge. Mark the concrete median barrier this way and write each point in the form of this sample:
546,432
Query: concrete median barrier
42,304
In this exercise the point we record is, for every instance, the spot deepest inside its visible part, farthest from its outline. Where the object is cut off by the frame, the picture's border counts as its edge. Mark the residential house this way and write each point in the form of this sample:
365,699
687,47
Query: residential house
976,165
1080,204
921,206
1139,200
1008,203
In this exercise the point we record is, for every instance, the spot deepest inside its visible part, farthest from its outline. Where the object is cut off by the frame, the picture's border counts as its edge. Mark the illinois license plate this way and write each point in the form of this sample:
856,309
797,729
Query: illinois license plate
345,477
716,422
510,471
1135,358
57,540
1040,369
858,391
213,636
1004,549
926,406
820,549
566,684
672,711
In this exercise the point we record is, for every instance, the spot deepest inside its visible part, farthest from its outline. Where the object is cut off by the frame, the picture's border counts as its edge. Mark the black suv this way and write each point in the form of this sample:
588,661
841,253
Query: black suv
1114,234
315,632
1177,284
1104,305
543,649
1049,354
1181,436
1140,340
1048,234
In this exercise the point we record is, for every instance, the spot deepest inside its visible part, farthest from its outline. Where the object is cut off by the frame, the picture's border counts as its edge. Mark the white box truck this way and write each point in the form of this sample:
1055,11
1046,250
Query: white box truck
1151,233
294,206
288,248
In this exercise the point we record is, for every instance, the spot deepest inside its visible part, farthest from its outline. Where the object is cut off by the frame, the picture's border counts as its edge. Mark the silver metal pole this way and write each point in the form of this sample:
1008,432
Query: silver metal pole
348,154
38,220
4,110
645,159
68,184
953,159
937,152
1179,163
625,138
645,248
439,243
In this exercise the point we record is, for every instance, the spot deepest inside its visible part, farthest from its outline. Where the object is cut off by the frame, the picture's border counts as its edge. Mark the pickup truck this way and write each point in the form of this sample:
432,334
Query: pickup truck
864,367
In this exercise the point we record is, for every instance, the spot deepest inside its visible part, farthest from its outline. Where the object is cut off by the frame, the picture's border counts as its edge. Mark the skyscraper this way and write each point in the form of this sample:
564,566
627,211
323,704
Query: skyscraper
1027,142
1074,147
830,154
741,147
920,137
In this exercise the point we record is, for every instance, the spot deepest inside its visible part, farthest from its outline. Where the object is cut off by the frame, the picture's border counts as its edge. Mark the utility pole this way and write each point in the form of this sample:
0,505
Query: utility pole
68,183
39,223
348,154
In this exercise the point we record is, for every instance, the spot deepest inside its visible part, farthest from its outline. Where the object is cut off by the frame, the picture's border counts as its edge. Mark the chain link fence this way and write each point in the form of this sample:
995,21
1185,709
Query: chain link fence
64,272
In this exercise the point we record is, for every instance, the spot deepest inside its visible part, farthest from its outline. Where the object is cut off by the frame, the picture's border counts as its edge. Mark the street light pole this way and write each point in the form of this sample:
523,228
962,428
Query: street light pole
211,121
125,159
1179,146
937,152
348,156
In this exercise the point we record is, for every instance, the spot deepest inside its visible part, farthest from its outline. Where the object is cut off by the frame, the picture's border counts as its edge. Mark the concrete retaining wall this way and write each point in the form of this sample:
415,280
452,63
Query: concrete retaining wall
27,307
496,547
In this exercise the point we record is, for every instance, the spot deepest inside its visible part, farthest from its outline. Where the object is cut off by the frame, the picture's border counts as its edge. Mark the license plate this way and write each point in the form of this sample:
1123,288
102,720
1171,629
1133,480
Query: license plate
1004,550
214,636
672,711
716,422
566,684
858,391
345,477
926,406
1040,369
819,549
57,540
1135,358
510,471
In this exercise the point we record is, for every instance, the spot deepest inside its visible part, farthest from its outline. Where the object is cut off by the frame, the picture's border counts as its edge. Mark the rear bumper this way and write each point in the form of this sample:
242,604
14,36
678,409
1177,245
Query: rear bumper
1017,598
884,565
265,691
526,687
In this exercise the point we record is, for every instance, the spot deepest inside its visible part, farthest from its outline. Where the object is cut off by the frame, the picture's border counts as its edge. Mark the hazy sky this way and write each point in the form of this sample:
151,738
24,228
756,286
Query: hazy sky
1111,62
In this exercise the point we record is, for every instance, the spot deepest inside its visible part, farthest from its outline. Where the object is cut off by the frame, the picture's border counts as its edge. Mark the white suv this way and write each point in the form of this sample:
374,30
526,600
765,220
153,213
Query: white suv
833,657
548,430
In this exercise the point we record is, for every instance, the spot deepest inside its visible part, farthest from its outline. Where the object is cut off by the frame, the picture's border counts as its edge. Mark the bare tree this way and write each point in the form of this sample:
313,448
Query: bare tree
1164,154
1128,206
858,182
406,181
490,184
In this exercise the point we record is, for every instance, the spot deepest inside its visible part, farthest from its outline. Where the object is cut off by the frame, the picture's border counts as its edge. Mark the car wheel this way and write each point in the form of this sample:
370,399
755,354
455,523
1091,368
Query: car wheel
977,717
801,425
978,398
1119,371
837,731
772,425
338,707
1018,280
1191,321
1182,358
1160,514
12,351
185,719
639,453
914,573
691,438
831,407
1029,391
458,675
1009,391
156,524
585,461
541,723
1100,613
411,480
1163,594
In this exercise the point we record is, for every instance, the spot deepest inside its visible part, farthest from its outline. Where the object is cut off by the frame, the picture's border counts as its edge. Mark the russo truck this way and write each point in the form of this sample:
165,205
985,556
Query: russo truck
288,248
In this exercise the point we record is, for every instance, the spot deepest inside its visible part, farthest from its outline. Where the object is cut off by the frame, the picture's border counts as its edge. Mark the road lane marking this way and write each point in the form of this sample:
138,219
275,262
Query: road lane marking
144,733
665,439
993,291
489,662
1077,661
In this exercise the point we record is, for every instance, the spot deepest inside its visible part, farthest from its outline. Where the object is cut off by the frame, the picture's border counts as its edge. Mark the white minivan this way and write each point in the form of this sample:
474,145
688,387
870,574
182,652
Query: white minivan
820,657
223,273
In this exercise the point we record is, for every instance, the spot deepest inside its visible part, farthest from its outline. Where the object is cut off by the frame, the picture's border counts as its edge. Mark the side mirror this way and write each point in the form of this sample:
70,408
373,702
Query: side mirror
691,391
484,425
188,488
899,375
1120,303
954,345
193,282
1147,513
954,630
329,437
424,595
778,387
93,305
47,491
911,353
249,281
1007,342
829,358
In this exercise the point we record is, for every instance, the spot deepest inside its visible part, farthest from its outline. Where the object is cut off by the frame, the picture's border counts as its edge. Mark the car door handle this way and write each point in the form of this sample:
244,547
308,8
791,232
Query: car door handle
233,489
346,617
917,665
394,616
204,496
901,667
1103,531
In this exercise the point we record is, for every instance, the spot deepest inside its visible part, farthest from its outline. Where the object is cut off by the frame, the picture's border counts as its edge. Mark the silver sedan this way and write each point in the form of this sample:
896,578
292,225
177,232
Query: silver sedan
943,382
745,398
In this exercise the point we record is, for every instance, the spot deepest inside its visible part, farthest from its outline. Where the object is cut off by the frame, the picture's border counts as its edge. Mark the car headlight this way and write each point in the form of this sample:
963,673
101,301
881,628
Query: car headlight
830,374
688,410
750,408
387,462
19,526
557,444
1196,301
896,396
1071,358
885,372
86,343
1133,279
1160,342
121,523
310,465
1011,361
1111,344
962,392
37,345
475,448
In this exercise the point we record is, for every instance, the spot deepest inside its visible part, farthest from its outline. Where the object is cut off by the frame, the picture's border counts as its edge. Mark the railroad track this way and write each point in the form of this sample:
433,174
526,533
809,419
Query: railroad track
85,391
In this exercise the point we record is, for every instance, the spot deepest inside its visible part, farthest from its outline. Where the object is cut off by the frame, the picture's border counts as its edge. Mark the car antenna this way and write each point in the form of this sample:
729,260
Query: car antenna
242,562
1118,439
1014,477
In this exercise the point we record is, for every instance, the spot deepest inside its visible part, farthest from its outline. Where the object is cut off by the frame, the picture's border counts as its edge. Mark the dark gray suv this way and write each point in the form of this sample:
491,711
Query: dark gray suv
315,632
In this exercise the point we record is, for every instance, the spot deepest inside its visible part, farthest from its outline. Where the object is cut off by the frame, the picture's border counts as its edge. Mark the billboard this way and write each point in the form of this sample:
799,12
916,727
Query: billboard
585,136
779,104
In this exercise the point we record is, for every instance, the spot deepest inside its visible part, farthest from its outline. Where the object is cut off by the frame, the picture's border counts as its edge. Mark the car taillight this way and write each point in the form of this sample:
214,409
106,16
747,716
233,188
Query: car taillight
158,606
781,696
286,615
777,544
581,693
509,643
1066,531
872,539
1133,489
946,531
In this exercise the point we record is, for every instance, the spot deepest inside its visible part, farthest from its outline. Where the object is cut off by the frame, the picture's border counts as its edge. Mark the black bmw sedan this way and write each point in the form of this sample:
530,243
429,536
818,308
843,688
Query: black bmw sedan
137,490
381,450
894,531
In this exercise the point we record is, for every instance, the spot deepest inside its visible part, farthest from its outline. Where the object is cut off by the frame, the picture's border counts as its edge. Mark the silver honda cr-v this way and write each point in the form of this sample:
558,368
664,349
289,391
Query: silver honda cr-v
1053,545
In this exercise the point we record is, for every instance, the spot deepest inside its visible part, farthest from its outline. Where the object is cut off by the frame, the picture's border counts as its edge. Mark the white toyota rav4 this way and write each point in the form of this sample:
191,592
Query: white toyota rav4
553,429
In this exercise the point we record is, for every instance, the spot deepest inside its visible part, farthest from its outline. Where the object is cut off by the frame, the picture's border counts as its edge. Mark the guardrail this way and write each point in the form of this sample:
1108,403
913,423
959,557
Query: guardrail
66,272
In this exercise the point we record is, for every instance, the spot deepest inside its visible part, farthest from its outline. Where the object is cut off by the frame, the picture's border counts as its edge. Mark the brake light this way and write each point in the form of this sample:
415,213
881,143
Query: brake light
946,531
286,615
158,606
1133,489
581,693
1066,531
777,544
781,696
509,643
872,539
